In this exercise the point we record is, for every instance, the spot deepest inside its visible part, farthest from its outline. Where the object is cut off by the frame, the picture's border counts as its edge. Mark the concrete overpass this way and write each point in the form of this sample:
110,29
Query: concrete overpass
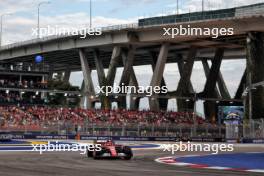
132,45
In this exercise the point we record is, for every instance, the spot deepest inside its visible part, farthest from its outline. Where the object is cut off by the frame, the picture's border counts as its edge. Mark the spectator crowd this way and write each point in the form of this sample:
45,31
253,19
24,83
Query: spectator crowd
13,98
24,84
38,116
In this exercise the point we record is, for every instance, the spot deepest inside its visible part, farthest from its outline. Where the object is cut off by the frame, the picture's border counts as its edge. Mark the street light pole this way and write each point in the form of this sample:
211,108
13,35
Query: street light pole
202,5
194,114
194,107
1,30
39,4
90,13
250,96
177,7
1,26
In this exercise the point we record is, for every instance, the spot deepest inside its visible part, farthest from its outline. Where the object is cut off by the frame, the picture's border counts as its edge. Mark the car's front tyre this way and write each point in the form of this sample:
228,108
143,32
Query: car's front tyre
128,152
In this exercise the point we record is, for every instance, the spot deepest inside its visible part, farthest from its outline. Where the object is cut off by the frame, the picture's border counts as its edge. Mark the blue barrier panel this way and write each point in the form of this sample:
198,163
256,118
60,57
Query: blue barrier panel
256,141
40,136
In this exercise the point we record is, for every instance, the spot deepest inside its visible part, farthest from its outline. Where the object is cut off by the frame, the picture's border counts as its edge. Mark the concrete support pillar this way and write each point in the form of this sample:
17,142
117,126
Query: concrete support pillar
158,74
88,83
207,72
223,91
67,74
128,60
184,83
181,70
134,101
105,102
113,65
82,97
163,102
222,87
214,73
255,65
242,86
208,92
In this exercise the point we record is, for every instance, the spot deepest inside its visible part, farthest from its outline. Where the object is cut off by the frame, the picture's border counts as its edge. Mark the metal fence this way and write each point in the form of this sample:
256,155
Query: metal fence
249,129
135,130
253,129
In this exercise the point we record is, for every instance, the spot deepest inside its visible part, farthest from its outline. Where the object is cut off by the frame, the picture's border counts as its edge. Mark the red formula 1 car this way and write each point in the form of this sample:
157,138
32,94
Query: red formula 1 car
111,150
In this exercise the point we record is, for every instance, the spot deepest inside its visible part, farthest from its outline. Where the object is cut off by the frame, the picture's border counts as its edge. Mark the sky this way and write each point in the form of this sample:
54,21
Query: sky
68,13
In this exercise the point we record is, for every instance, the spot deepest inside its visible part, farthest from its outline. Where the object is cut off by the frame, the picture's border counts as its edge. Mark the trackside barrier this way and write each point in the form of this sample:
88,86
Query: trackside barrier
129,138
255,141
117,138
246,140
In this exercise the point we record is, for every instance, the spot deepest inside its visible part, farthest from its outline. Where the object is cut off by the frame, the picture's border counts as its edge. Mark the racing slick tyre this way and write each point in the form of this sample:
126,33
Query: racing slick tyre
129,154
96,155
89,154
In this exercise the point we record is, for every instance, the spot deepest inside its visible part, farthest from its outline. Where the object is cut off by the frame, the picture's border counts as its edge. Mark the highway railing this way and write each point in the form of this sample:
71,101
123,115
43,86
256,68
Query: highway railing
55,37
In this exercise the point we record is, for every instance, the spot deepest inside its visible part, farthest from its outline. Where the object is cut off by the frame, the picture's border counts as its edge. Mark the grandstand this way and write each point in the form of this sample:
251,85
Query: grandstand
39,118
24,109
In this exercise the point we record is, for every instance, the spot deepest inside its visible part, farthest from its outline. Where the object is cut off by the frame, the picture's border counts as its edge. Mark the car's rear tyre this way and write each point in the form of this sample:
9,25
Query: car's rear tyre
89,154
128,152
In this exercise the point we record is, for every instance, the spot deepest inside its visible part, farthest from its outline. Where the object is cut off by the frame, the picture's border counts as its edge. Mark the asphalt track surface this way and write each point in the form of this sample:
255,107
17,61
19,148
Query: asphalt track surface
74,164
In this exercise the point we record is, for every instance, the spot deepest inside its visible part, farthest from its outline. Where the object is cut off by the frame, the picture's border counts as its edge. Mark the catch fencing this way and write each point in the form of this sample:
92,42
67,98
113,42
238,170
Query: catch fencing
253,129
